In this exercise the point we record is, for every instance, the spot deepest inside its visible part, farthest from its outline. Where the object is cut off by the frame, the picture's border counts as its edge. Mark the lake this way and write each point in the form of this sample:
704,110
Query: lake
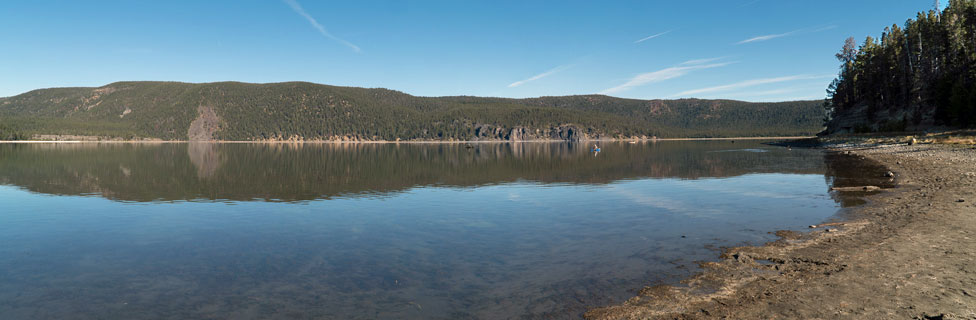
384,231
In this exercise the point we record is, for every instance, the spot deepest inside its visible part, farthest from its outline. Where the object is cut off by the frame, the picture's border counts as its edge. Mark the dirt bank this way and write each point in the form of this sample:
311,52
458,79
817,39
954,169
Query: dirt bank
910,253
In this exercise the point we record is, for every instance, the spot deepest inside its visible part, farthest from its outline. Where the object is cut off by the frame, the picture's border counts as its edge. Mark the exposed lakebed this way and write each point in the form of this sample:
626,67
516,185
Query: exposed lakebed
423,231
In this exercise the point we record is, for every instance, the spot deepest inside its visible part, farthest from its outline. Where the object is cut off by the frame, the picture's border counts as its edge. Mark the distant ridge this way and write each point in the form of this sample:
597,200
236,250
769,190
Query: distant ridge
307,111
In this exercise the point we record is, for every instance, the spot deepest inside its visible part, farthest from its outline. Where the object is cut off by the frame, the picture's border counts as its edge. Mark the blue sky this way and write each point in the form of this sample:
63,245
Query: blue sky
756,50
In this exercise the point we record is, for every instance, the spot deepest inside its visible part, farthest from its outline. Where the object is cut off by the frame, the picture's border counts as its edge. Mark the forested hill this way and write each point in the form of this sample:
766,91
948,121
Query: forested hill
914,77
306,111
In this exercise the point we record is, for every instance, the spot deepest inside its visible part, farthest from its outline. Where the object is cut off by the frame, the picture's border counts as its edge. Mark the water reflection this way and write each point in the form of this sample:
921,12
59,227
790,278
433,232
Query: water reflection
294,172
361,231
206,157
845,171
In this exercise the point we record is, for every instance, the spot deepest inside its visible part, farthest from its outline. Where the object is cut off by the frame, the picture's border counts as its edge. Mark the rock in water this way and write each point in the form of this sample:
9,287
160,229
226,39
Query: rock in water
889,174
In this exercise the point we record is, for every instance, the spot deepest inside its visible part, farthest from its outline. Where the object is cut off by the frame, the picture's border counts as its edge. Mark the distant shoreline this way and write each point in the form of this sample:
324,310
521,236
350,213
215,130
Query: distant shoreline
388,142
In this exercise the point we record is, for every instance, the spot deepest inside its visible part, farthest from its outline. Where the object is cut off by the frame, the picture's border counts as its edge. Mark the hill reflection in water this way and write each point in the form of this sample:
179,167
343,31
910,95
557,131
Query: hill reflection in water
367,231
296,172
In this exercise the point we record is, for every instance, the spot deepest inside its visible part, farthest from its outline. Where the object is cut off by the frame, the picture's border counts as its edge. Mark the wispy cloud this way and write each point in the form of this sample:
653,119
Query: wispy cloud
825,28
701,61
780,35
775,95
666,74
671,205
653,36
539,76
750,83
766,37
779,93
301,11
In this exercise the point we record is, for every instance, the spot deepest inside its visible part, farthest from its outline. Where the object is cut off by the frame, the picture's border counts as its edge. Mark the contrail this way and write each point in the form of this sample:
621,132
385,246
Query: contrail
653,36
301,11
666,74
539,76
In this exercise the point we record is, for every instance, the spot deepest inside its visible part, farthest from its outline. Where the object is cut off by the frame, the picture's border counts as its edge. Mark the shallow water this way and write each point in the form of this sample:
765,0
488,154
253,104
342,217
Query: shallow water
408,231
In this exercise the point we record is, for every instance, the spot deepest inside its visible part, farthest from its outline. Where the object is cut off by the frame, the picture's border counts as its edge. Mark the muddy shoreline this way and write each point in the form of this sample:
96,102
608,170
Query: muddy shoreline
909,253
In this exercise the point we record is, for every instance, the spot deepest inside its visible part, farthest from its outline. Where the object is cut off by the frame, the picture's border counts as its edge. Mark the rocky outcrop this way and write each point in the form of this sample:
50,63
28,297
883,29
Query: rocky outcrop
205,126
517,134
568,132
490,132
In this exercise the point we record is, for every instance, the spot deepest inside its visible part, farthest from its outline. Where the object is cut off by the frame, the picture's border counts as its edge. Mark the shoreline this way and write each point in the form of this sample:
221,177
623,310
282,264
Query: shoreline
394,142
908,253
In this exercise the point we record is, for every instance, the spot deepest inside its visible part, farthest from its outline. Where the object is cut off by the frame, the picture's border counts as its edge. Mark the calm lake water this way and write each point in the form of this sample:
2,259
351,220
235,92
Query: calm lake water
409,231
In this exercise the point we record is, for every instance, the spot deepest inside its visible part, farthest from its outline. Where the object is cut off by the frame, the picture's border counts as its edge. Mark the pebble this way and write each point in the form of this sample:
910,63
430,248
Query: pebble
889,174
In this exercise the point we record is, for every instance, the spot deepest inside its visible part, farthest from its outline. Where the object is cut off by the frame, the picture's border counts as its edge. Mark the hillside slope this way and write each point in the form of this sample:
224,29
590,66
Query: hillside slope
307,111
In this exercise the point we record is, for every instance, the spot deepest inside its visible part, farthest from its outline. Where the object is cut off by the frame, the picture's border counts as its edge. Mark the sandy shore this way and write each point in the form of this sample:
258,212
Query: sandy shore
910,253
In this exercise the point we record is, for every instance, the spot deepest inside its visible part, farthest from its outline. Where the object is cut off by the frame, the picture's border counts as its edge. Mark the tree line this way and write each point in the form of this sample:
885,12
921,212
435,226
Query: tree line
924,71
